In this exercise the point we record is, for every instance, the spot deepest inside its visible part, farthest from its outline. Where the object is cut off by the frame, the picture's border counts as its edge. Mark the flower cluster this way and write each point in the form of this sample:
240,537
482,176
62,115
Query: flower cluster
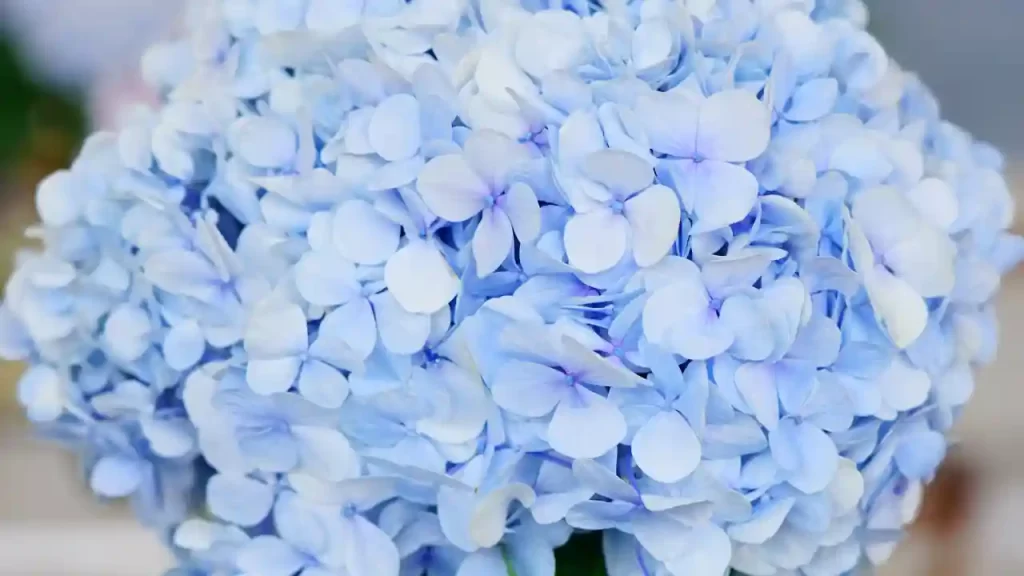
423,288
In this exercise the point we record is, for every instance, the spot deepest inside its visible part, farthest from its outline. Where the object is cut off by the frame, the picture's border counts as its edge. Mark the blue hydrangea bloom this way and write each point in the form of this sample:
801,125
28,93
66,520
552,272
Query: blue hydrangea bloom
400,288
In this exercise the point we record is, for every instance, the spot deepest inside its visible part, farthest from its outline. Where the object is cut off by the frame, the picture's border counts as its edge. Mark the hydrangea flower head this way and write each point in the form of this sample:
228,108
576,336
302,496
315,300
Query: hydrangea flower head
420,288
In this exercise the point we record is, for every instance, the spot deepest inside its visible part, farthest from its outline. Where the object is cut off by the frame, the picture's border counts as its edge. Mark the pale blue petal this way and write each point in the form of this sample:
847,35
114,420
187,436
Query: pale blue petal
41,392
654,216
394,129
920,453
483,563
660,534
116,476
401,332
766,523
297,523
268,450
596,241
324,278
270,556
708,553
819,460
621,172
756,382
752,334
420,279
272,376
492,241
127,333
812,100
369,551
723,194
326,454
451,188
184,345
353,325
333,15
523,210
666,449
169,438
600,515
670,122
602,480
493,157
903,386
322,384
238,499
528,389
586,425
734,126
363,235
490,514
263,141
861,158
275,331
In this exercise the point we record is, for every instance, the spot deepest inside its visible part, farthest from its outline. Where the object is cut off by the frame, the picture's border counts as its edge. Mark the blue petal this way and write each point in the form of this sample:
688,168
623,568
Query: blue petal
169,438
666,448
621,172
523,210
272,376
483,563
326,454
116,476
401,332
596,241
492,241
586,425
394,129
451,188
369,551
920,453
41,392
239,500
490,515
708,553
263,141
660,535
275,331
766,523
528,389
363,235
654,216
734,126
270,556
353,326
903,386
813,99
322,384
420,279
819,460
670,122
602,480
722,193
184,345
127,333
753,337
494,156
325,279
756,382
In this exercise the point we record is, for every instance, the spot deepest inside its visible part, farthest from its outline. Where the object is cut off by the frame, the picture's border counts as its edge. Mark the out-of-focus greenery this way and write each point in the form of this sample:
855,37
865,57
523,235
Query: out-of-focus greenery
37,124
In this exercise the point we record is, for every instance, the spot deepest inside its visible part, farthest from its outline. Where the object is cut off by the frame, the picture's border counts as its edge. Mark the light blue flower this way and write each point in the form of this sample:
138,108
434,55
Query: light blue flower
406,289
706,142
458,187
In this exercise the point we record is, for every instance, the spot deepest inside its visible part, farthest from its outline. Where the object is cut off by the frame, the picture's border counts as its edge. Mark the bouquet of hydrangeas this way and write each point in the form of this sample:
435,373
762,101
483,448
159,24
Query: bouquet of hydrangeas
428,288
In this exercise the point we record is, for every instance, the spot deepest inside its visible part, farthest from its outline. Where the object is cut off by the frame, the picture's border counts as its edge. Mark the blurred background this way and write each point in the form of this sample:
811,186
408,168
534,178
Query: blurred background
68,66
